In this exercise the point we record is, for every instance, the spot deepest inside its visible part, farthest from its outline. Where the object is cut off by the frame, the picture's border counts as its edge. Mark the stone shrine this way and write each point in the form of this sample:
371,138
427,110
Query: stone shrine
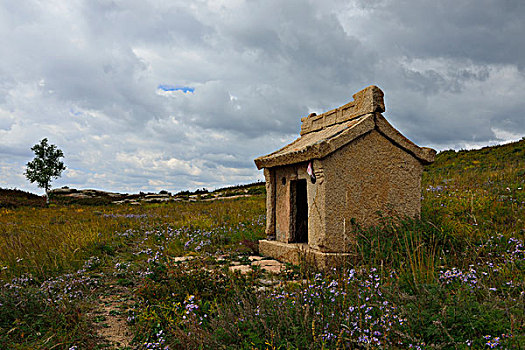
349,166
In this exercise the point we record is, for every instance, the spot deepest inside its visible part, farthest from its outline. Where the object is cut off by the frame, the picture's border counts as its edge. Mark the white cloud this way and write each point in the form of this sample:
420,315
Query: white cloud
86,74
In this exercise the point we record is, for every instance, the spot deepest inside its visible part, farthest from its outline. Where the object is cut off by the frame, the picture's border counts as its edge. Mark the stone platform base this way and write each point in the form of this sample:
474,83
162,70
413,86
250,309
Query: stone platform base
296,253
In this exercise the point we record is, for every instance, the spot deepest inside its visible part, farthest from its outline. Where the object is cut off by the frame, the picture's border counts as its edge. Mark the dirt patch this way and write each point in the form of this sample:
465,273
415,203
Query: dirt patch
110,314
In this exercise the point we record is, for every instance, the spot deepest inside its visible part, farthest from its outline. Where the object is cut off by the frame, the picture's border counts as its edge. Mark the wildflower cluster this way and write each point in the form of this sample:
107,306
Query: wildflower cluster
126,216
190,306
500,254
166,233
468,278
70,286
55,303
514,249
198,239
121,266
158,342
20,282
437,188
66,287
129,233
91,264
350,309
155,259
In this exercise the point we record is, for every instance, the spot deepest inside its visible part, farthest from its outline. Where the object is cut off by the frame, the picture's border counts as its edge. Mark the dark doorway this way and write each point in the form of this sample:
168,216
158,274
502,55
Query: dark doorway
299,206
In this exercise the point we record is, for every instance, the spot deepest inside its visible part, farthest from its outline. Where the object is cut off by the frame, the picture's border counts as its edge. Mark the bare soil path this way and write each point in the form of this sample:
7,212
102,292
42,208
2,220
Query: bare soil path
110,313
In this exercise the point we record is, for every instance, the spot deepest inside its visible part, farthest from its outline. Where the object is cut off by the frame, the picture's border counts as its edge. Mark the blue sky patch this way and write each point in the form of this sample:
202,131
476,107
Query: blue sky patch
75,112
185,89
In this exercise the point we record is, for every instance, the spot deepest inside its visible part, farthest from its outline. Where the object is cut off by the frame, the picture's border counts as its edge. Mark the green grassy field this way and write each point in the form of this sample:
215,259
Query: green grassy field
454,279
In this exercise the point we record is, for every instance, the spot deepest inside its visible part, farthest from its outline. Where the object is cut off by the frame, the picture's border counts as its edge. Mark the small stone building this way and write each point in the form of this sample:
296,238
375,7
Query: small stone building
349,166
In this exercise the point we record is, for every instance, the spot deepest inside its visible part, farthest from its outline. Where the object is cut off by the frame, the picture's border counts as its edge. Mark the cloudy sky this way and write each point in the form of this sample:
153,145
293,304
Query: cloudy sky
168,95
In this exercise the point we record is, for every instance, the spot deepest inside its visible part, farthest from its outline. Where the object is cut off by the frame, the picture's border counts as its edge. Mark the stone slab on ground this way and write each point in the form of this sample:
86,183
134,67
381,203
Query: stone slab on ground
255,258
272,266
243,269
269,265
183,258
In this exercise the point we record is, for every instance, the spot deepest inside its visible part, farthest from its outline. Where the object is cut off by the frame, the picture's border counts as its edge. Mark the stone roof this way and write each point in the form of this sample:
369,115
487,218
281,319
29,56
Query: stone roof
323,134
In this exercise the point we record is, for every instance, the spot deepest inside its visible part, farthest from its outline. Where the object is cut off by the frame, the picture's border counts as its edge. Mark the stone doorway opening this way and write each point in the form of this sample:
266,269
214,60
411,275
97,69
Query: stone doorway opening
299,206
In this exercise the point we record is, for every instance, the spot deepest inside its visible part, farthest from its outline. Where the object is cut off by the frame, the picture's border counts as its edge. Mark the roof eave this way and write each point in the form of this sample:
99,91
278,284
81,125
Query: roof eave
424,154
325,147
318,150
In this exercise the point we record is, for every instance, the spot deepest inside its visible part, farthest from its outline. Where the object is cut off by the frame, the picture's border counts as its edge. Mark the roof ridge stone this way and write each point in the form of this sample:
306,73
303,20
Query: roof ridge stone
368,100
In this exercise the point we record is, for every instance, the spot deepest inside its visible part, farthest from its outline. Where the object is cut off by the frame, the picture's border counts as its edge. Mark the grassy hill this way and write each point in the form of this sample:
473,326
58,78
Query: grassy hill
12,198
479,191
486,159
452,280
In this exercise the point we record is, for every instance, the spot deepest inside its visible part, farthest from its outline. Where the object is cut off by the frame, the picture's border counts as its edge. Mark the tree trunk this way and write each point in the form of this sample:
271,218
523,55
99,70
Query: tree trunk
47,196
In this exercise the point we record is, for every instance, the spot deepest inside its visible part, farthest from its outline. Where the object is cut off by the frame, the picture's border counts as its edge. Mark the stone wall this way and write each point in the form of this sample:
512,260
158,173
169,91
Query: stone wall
370,174
316,206
283,175
269,176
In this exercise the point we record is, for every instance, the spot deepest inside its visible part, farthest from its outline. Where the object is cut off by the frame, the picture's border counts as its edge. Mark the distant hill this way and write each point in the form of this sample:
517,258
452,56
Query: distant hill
10,198
66,196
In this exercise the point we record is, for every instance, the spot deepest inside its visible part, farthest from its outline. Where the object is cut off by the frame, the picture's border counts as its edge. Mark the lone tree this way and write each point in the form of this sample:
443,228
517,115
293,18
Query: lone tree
46,165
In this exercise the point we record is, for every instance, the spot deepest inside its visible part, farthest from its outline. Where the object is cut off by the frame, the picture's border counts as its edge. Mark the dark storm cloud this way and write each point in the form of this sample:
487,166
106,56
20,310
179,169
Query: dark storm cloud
485,31
87,74
451,70
163,23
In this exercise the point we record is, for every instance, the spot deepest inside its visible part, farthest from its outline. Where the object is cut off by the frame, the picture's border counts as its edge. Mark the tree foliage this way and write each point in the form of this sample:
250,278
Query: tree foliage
46,165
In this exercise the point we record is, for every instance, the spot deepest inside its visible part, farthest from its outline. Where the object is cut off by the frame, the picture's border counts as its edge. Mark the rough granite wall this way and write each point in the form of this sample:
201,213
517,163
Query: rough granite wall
316,206
283,211
269,176
367,175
